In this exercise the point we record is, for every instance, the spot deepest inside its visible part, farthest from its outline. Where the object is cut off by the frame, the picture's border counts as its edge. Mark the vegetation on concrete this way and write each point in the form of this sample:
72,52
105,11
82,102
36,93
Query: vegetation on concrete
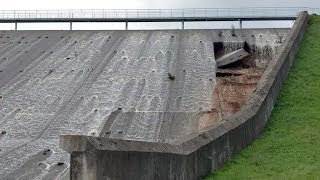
290,144
233,31
171,77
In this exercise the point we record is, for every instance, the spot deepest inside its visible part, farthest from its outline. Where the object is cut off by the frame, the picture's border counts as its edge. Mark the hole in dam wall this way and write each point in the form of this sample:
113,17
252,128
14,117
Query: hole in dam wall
237,80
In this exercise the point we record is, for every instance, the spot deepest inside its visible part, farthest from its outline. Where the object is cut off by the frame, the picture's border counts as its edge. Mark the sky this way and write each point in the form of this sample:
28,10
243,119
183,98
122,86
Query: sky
144,4
148,4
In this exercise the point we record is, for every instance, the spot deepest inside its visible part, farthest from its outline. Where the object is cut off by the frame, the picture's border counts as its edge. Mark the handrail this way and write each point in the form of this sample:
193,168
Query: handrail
154,13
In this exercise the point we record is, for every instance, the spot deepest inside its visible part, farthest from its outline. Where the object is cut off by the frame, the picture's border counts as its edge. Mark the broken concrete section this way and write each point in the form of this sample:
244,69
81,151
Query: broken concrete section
232,57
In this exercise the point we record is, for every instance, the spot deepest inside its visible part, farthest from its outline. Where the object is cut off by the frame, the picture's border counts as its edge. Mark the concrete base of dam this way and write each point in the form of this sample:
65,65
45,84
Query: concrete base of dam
138,104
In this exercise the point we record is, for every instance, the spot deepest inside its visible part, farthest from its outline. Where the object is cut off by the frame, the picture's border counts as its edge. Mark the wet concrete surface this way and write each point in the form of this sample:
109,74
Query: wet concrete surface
117,84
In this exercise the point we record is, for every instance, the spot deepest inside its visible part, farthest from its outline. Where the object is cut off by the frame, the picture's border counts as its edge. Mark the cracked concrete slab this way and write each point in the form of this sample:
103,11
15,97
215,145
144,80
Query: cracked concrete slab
232,57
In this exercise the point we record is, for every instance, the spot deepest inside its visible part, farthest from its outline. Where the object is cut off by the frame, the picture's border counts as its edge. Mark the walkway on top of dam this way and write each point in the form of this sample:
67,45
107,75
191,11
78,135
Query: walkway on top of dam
152,15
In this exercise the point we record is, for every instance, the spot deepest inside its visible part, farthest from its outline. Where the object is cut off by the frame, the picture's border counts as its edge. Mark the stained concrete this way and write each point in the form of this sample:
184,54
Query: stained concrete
112,84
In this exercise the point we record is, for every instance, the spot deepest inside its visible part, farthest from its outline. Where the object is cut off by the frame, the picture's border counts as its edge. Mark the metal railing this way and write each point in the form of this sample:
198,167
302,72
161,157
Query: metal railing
153,13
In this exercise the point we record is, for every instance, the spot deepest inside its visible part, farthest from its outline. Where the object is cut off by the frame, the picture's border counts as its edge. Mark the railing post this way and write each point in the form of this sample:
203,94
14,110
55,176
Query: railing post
182,13
70,25
126,25
240,23
182,19
16,26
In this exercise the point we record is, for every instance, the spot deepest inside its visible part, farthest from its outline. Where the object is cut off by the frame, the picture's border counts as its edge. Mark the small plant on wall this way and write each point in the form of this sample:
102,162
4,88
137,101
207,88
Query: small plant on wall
233,31
171,77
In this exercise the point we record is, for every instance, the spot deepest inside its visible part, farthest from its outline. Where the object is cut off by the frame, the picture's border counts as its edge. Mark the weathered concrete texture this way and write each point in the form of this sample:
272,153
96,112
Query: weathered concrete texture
112,84
232,57
194,155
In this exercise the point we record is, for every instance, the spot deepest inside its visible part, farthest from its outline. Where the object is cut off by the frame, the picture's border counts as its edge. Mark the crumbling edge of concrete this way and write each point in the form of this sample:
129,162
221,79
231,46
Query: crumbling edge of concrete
193,156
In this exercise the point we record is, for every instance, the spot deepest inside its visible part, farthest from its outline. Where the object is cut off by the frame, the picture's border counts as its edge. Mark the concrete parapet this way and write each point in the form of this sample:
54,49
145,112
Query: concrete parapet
192,156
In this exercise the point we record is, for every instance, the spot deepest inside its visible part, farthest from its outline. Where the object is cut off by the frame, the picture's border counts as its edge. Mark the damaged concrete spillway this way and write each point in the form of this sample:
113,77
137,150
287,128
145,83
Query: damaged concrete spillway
154,86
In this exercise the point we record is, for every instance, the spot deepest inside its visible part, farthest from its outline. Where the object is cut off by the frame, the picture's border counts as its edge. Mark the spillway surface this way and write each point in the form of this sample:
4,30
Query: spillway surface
141,85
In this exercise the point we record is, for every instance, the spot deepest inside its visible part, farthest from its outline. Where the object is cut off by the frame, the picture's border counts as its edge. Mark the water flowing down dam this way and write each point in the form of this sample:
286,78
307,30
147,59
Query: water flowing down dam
154,86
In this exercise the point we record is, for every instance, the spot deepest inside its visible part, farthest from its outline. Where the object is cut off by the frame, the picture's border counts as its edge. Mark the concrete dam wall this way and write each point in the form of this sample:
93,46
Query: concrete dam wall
138,104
